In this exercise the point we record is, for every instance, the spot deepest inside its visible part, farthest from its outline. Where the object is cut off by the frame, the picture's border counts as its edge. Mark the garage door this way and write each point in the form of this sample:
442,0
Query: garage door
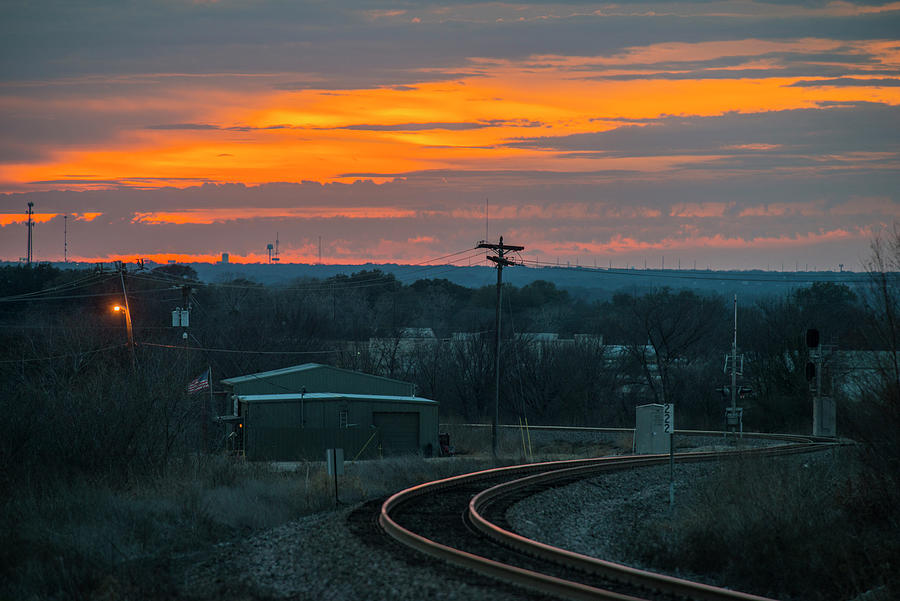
399,432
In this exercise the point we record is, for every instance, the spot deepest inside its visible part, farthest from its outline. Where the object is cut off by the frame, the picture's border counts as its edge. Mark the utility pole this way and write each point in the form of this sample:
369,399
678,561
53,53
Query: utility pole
185,323
501,261
65,238
29,256
128,326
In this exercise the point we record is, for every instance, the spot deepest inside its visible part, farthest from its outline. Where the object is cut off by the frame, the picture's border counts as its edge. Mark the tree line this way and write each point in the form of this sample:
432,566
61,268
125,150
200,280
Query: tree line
76,394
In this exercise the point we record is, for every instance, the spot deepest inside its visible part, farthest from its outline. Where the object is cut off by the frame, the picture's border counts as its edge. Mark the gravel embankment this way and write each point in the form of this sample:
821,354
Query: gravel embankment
320,558
593,517
324,556
589,516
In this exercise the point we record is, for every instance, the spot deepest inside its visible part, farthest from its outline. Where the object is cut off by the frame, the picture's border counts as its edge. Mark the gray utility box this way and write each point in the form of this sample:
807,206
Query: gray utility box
649,437
824,416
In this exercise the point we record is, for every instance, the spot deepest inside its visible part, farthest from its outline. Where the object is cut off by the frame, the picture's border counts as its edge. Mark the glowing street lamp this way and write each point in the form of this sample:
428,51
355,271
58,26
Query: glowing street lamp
128,329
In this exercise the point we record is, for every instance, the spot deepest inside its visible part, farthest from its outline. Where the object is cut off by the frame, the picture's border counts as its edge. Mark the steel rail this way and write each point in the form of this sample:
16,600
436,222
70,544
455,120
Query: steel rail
544,472
504,572
607,569
710,433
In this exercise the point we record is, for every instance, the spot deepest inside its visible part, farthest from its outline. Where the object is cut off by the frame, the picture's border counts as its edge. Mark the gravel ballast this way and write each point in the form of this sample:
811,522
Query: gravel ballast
596,516
325,556
319,557
589,516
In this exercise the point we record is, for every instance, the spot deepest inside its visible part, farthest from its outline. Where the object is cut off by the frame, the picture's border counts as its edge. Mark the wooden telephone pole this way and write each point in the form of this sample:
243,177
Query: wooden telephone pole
128,327
501,261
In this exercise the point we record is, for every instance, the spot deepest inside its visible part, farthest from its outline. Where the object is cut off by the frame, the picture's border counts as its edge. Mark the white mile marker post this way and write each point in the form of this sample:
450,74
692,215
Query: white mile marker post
669,428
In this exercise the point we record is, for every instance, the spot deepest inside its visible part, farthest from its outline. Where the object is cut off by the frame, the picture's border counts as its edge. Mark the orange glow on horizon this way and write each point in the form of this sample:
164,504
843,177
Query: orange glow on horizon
414,251
287,257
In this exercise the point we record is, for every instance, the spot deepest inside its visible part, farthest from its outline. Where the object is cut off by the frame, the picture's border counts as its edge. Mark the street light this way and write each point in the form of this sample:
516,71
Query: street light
128,329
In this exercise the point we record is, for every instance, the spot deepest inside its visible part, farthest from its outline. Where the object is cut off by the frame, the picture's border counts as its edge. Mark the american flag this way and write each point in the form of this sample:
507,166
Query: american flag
199,383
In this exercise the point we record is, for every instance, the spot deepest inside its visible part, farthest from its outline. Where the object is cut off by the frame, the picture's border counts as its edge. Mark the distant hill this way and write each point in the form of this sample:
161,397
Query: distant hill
582,282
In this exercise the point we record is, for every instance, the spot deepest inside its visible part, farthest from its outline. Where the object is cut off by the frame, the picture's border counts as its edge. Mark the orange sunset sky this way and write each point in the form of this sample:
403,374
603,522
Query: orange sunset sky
731,134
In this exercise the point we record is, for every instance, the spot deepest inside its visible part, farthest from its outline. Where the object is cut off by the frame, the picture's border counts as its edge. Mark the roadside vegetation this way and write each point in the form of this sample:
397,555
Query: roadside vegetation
87,538
805,527
109,467
824,526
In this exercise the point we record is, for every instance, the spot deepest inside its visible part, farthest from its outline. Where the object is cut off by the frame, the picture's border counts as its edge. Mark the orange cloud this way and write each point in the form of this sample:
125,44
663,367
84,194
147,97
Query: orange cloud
700,209
762,147
255,133
9,219
779,209
622,245
210,216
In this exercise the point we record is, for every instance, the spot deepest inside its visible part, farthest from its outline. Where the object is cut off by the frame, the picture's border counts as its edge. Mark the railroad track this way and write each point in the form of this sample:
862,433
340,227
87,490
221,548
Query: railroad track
460,520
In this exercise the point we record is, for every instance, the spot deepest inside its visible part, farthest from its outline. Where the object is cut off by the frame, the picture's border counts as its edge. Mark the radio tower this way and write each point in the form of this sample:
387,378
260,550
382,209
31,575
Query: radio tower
29,255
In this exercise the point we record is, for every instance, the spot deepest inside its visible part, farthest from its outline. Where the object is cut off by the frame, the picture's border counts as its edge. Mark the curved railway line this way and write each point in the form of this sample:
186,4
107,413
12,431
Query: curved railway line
460,520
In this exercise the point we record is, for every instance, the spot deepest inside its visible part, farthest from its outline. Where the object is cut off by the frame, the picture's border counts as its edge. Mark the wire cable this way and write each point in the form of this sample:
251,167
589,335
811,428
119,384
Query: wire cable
365,281
99,350
224,350
79,283
842,277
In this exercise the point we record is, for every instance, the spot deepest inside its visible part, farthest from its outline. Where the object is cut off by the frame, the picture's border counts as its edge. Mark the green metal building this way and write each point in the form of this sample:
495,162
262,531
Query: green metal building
297,412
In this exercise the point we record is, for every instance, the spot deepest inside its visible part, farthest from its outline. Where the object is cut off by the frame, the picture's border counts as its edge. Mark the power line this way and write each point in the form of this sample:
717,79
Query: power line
224,350
99,350
79,283
367,281
841,277
70,296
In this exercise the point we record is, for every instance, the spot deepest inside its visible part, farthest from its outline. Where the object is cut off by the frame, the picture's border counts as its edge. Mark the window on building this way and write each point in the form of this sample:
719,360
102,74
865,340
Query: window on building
343,418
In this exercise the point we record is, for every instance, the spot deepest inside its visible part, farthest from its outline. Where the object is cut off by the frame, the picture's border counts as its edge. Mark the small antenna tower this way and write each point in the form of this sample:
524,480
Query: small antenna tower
29,256
275,257
65,238
487,213
320,250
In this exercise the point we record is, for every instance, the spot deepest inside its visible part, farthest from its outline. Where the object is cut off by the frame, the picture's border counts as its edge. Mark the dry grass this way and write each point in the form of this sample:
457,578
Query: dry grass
66,540
788,528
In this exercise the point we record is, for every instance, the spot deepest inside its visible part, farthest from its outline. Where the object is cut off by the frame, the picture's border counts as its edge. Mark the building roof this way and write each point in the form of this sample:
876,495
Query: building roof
295,369
332,396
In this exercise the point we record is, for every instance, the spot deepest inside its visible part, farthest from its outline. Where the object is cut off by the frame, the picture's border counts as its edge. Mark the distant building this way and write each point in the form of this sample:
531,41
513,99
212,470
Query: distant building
396,350
224,260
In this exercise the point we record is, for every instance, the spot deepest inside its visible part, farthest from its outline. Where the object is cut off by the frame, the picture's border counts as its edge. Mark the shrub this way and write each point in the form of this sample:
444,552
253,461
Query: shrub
790,527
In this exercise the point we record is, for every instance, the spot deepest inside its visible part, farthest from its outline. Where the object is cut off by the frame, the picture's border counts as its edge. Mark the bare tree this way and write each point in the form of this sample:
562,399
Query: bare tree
678,329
